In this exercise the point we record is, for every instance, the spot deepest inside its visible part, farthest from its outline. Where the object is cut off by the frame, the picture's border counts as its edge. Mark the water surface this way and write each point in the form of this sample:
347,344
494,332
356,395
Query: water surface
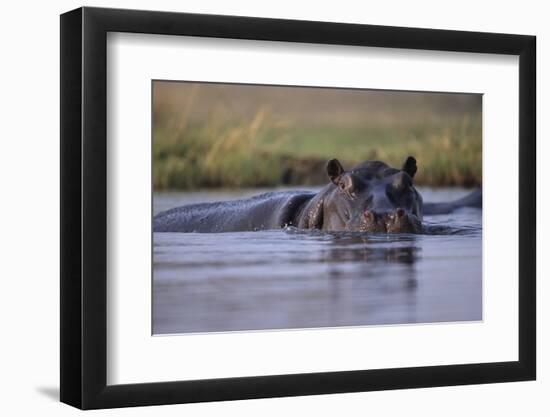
282,279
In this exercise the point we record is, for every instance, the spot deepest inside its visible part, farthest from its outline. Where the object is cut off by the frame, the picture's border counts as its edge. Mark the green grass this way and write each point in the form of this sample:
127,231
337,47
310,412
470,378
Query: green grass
260,152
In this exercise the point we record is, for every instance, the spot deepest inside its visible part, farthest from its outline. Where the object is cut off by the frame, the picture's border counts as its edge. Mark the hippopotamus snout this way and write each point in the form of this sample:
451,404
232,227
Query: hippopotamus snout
394,221
374,221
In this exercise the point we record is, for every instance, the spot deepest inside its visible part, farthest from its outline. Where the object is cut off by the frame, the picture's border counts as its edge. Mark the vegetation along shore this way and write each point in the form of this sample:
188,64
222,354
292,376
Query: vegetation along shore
223,136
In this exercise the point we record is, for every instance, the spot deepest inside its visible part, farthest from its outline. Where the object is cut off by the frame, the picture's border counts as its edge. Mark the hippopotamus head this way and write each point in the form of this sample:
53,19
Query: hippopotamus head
371,197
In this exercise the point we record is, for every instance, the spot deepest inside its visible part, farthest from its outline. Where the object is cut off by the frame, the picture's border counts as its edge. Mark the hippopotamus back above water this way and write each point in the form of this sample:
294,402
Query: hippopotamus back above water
371,197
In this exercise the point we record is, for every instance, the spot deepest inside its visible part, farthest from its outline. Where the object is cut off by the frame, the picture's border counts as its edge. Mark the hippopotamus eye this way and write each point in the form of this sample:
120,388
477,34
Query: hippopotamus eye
346,184
347,190
401,181
349,185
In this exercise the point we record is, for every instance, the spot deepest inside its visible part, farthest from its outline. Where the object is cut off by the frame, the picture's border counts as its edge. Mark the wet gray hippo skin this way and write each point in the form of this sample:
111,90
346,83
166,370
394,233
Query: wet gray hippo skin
371,197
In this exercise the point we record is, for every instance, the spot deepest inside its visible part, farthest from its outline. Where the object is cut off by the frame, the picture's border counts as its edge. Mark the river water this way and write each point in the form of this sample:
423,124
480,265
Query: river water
287,279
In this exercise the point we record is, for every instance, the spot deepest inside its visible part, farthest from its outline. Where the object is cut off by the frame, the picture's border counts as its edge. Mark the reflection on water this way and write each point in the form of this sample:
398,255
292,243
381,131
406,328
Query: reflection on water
300,279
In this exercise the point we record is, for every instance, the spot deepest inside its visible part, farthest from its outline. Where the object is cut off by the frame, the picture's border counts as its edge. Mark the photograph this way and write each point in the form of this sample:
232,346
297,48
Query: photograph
299,207
257,206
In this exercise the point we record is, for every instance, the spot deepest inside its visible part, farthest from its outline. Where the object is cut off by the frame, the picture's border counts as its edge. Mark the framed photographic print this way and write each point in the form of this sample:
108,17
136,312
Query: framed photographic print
257,207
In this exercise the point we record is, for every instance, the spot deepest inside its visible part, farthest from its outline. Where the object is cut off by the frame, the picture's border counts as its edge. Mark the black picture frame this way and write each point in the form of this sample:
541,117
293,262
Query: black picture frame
84,207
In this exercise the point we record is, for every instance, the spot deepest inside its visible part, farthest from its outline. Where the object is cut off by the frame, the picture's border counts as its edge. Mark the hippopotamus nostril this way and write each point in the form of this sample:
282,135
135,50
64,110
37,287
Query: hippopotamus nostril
373,222
399,221
369,215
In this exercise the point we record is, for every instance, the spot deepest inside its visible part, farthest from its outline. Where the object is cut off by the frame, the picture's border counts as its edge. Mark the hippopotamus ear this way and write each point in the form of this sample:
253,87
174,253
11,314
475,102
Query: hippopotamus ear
334,170
410,166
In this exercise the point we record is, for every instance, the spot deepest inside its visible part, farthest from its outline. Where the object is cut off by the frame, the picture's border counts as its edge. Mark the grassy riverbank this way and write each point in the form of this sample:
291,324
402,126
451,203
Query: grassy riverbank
270,144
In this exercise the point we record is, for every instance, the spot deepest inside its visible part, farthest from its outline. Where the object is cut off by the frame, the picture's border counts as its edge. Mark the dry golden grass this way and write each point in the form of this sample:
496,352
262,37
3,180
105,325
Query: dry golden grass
241,136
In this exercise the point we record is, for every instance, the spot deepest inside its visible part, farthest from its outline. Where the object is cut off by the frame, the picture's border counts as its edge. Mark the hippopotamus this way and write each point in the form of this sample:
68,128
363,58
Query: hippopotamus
370,197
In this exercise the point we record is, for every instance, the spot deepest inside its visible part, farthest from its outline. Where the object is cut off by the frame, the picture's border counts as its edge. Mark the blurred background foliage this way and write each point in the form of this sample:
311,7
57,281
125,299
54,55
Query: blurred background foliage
229,135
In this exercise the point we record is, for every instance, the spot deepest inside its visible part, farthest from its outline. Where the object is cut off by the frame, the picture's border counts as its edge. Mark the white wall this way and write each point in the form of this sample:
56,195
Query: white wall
29,175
